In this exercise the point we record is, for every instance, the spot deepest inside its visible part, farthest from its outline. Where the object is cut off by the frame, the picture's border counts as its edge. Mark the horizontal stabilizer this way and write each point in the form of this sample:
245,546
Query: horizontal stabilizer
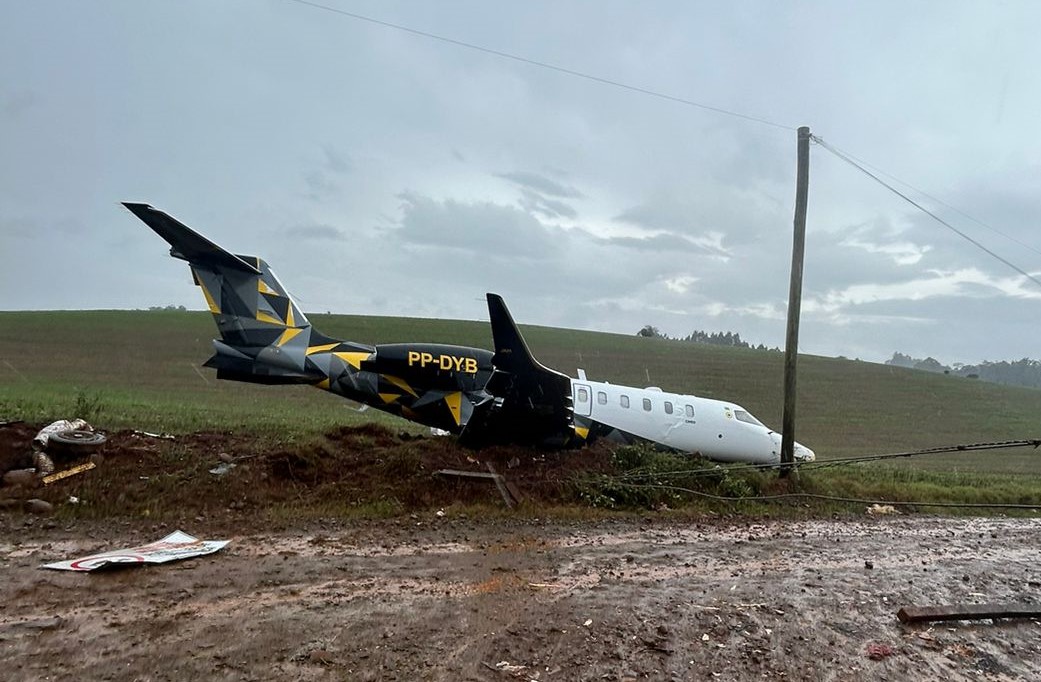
186,243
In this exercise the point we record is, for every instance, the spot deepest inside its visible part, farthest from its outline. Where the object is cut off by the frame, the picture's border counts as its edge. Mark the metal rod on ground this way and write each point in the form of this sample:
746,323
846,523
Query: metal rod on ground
791,344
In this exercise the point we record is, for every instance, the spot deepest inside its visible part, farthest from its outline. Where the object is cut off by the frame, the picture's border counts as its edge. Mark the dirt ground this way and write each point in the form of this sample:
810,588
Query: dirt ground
460,595
447,598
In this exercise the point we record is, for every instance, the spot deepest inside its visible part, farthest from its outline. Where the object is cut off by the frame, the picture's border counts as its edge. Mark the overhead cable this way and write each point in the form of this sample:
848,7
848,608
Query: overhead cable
930,197
924,210
544,65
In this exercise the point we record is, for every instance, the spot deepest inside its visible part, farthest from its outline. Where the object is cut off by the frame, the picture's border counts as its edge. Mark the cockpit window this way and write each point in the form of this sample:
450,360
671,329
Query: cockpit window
743,416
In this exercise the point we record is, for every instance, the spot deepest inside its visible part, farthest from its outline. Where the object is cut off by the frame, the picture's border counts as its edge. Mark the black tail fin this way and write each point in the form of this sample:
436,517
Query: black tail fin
264,335
536,399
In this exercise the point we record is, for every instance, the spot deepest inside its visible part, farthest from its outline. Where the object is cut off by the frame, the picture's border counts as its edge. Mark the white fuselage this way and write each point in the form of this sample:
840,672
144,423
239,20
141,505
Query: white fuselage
718,430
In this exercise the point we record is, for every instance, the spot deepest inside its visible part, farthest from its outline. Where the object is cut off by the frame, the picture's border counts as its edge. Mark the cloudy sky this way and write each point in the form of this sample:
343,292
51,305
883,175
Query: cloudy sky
383,172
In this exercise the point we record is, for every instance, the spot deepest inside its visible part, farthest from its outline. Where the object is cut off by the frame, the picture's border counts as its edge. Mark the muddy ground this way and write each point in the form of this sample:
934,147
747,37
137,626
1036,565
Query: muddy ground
444,598
463,594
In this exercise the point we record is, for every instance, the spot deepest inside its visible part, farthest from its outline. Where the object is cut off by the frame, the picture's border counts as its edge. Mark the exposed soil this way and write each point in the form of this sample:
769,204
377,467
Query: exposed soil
457,597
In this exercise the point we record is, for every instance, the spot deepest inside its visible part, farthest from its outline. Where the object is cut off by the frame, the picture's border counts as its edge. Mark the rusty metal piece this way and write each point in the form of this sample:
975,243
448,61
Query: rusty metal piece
919,614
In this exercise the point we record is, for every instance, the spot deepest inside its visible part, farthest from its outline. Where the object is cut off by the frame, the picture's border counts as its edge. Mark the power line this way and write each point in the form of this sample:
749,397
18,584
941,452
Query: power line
545,65
924,210
833,498
822,464
938,201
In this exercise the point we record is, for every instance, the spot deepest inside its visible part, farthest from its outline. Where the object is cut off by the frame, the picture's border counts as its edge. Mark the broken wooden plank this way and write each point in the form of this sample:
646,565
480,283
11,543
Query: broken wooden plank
78,469
919,614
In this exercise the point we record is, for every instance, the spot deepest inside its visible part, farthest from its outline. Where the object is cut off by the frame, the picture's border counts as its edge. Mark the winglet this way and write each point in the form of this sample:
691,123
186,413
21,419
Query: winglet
186,243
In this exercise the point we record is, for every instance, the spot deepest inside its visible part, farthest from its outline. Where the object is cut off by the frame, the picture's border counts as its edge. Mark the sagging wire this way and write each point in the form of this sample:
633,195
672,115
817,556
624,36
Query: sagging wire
823,464
923,209
543,65
833,498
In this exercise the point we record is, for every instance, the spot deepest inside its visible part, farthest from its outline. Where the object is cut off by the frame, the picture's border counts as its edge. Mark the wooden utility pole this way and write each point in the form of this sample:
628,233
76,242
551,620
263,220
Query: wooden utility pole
791,343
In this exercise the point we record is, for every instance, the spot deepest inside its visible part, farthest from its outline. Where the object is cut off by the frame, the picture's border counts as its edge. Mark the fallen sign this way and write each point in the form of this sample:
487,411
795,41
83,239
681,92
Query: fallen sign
176,545
919,614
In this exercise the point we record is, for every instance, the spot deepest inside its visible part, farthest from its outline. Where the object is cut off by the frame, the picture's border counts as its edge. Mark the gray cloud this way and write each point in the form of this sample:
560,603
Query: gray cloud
639,211
541,184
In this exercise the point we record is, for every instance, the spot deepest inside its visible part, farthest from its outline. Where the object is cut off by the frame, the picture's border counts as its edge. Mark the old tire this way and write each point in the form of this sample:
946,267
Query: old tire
77,442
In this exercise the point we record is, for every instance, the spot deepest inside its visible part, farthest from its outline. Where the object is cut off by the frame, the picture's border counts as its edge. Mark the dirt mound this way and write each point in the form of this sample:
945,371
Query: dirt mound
365,468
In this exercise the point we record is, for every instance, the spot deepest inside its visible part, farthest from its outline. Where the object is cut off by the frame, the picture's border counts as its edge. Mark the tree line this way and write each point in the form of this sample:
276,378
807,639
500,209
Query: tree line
1024,372
731,339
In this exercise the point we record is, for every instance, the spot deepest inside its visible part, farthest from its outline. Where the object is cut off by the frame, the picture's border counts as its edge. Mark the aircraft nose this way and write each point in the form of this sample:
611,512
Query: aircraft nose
803,454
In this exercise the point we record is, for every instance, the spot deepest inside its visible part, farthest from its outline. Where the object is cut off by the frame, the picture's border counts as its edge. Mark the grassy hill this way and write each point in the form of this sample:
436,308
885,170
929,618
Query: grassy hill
138,369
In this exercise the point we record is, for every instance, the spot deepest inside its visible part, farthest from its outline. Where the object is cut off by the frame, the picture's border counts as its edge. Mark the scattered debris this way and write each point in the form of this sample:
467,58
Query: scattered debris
176,545
75,442
222,468
160,436
876,651
42,438
498,479
43,464
72,471
882,510
918,614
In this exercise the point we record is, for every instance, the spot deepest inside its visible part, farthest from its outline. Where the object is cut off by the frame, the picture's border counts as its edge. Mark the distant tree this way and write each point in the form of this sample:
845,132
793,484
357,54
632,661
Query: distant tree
650,332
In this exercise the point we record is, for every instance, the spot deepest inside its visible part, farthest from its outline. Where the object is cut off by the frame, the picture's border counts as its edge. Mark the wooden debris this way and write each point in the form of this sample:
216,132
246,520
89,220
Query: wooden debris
78,469
919,614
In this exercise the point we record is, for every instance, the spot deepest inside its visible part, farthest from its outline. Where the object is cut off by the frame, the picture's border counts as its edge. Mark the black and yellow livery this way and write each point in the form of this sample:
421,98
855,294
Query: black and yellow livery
483,396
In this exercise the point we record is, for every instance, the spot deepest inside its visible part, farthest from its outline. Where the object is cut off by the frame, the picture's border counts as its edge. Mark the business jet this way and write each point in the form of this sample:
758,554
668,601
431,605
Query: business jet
484,397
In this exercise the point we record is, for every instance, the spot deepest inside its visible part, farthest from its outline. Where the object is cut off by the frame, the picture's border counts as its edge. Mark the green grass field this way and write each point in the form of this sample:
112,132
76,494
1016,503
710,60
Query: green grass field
138,369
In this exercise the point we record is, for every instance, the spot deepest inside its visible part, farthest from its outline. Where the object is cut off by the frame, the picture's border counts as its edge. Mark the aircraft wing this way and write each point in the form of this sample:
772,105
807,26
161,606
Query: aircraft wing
532,402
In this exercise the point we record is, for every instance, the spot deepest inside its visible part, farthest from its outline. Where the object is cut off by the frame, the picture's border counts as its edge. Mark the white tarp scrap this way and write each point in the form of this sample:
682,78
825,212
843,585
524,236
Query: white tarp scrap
176,545
59,426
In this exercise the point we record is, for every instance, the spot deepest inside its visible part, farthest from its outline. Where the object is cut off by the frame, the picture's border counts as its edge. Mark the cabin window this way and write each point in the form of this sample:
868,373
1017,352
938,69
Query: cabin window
668,407
689,409
601,397
583,395
625,401
743,416
647,404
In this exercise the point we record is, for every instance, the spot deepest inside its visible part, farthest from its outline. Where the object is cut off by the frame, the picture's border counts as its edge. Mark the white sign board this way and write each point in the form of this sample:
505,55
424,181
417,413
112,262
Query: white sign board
176,545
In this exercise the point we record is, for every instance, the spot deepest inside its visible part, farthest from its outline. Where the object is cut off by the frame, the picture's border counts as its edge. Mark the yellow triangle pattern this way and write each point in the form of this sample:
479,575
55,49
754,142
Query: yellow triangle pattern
263,288
582,432
324,383
453,400
389,397
352,358
400,383
287,336
214,308
320,349
264,317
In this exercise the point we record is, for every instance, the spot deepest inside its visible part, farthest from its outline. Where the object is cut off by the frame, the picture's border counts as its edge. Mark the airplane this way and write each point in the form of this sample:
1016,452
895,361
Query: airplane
483,397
